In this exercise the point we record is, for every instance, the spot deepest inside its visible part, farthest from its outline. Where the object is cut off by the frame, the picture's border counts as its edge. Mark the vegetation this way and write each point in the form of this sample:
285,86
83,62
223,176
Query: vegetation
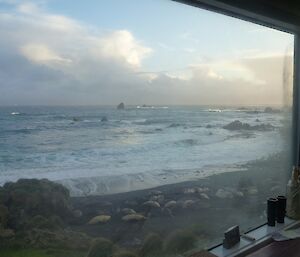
125,254
152,245
180,241
38,253
101,247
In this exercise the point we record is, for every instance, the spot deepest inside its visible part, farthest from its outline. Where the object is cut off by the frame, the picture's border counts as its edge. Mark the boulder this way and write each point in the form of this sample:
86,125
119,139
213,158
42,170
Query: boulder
121,106
223,194
133,217
204,196
99,219
188,204
171,204
151,204
237,125
127,211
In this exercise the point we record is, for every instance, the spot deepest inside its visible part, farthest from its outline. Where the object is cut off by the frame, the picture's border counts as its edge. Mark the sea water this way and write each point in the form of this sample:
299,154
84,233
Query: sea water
100,150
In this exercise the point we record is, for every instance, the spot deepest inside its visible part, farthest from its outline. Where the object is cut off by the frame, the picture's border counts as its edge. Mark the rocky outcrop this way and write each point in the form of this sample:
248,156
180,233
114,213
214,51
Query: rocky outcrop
238,125
121,106
271,110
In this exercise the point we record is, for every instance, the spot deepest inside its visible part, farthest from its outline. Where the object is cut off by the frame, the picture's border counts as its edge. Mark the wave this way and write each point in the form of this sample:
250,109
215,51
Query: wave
151,107
214,110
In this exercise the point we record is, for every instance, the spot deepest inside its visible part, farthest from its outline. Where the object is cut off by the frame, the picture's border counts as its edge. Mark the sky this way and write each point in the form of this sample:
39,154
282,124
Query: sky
155,52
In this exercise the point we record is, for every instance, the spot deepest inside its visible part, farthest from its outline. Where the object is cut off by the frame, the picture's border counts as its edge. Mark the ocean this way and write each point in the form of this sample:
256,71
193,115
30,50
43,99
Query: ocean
102,150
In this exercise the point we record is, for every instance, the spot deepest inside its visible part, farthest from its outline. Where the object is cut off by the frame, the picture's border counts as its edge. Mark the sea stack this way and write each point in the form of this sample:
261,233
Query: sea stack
121,106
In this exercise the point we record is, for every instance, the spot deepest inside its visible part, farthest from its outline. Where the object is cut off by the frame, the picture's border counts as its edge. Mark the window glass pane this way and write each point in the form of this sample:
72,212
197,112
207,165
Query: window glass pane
167,124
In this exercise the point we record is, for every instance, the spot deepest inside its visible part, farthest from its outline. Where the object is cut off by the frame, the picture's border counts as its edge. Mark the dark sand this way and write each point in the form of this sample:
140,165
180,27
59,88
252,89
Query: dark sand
241,201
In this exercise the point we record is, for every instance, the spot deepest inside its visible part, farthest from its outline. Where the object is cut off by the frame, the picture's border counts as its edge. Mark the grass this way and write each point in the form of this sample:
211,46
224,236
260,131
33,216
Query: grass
39,253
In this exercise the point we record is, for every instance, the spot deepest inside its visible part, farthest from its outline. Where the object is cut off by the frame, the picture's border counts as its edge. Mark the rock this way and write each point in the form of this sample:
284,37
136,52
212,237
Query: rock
99,219
152,204
189,190
134,217
126,211
121,106
188,204
204,196
158,198
75,119
221,193
239,194
6,233
171,204
202,190
252,191
237,125
101,247
77,213
104,119
271,110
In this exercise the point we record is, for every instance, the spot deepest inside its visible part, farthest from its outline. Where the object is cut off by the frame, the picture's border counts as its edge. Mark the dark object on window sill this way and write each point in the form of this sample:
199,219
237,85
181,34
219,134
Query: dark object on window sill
272,211
232,237
281,208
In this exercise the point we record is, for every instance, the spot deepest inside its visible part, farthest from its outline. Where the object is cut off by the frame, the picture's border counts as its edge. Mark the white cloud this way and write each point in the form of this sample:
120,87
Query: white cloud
60,60
41,54
122,44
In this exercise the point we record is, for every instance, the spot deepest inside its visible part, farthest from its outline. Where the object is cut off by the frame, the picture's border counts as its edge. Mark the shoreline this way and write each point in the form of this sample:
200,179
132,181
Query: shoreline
118,184
206,206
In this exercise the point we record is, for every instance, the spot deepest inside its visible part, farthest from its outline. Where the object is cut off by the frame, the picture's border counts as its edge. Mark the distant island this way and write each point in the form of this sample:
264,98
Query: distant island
121,106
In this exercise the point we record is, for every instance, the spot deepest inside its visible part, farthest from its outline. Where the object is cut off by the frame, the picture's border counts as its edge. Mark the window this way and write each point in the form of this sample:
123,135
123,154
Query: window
166,130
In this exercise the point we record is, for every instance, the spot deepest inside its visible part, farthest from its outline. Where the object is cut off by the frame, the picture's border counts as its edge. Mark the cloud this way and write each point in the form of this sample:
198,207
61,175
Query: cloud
122,44
47,58
42,54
